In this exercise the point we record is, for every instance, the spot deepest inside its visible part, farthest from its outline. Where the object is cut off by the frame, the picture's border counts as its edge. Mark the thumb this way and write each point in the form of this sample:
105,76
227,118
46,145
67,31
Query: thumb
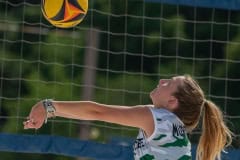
29,125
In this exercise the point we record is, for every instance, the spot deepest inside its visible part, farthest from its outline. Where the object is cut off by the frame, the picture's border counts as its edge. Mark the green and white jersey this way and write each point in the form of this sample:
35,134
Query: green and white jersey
169,140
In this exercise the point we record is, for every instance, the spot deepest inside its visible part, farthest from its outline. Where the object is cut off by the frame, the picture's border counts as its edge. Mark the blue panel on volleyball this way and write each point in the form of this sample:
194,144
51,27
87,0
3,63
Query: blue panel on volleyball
222,4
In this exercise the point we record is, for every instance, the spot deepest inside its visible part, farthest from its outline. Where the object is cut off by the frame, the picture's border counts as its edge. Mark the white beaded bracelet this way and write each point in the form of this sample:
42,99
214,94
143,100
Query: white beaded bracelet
49,107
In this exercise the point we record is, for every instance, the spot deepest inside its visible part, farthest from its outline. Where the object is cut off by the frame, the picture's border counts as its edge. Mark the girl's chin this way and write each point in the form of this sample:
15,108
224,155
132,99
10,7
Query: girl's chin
150,95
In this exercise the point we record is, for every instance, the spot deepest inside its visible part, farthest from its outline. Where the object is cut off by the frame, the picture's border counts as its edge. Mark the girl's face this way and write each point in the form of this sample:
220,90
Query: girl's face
162,95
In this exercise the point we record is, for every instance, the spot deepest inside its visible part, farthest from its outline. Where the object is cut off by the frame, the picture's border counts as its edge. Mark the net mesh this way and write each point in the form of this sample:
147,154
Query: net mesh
115,56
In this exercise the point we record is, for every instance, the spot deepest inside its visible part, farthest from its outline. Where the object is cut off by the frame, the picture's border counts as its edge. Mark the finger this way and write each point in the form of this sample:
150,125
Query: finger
25,127
38,124
29,125
25,124
32,121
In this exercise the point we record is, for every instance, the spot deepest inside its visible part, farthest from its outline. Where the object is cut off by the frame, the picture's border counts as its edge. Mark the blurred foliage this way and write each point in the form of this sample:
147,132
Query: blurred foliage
139,43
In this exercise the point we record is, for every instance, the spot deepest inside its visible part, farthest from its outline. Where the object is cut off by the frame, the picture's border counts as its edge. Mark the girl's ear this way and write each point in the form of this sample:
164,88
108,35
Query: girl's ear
172,103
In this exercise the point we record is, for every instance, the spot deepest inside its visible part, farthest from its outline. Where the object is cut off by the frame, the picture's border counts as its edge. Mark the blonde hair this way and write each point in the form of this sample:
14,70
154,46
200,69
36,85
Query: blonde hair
191,105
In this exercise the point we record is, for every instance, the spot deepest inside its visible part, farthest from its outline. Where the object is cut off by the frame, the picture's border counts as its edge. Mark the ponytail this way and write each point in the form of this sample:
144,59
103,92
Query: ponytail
215,134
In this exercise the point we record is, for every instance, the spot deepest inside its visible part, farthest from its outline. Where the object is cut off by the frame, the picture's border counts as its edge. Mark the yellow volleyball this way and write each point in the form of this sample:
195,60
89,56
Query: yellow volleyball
64,13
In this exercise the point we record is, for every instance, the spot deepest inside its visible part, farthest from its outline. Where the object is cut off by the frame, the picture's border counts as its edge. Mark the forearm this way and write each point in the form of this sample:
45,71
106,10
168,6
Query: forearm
84,110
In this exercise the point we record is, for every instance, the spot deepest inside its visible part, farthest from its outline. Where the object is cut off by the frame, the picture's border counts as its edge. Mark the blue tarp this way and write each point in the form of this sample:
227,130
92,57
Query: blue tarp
44,144
221,4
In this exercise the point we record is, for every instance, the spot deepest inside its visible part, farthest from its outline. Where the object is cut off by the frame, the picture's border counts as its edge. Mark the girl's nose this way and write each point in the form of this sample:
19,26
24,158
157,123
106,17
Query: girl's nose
162,81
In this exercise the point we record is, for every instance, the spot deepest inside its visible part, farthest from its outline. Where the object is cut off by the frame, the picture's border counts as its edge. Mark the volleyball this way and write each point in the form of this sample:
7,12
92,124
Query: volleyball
64,13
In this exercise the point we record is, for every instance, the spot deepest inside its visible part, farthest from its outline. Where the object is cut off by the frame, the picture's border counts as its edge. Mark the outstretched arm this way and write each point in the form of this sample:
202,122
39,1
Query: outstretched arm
135,116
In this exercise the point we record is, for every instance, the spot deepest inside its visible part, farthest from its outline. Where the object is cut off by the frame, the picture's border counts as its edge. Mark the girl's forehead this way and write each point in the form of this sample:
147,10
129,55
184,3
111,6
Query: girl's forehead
178,79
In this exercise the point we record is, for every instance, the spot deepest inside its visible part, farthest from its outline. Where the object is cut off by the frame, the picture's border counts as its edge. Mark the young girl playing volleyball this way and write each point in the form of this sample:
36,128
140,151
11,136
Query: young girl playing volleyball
178,104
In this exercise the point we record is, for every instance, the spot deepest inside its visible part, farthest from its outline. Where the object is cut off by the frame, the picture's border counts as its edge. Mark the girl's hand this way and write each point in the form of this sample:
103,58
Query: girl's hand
36,117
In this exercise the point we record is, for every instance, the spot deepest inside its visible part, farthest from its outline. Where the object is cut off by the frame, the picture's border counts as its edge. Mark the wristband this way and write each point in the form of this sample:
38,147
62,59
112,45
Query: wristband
49,107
